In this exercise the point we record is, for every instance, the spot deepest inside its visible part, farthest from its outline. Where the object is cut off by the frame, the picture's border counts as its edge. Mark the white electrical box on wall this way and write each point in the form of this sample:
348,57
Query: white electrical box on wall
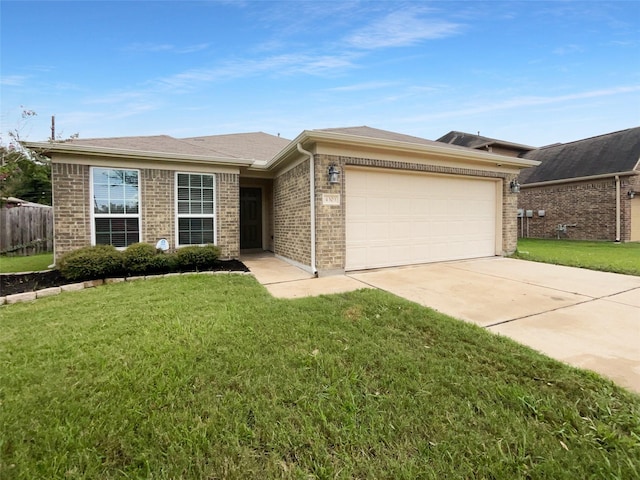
541,213
520,212
529,213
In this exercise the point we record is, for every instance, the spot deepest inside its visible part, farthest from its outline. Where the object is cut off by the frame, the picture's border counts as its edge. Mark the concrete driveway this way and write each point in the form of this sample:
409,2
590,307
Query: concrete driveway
585,318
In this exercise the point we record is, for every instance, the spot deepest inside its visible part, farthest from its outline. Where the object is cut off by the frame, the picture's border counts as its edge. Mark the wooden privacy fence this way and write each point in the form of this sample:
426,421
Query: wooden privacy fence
26,230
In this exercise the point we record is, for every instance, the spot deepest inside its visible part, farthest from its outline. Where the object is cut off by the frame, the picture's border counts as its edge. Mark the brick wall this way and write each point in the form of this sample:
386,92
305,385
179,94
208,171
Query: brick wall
228,214
509,217
72,214
589,205
157,193
330,219
628,183
292,214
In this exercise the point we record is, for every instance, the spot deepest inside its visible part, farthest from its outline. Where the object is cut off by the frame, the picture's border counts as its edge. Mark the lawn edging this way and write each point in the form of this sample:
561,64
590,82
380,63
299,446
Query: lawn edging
74,287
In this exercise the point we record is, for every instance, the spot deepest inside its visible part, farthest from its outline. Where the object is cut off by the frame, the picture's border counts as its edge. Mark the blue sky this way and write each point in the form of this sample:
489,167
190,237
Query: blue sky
529,72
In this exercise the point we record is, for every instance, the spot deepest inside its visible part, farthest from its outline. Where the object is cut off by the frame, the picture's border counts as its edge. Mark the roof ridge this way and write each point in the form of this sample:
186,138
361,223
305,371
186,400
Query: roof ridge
120,137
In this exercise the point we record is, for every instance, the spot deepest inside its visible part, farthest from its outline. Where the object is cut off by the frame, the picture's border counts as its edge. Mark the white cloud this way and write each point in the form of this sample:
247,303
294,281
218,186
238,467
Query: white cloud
166,47
401,29
358,87
13,80
529,101
568,49
286,64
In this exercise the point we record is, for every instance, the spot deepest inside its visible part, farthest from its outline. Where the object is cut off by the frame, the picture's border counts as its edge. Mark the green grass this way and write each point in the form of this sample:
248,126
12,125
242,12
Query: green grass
604,256
33,263
210,377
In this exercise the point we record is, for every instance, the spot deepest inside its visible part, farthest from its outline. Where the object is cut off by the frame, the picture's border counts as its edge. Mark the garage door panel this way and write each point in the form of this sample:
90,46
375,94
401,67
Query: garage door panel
396,218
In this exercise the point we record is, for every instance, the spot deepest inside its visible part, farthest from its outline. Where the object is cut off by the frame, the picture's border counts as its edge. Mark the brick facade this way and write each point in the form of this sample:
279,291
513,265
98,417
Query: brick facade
587,208
228,214
71,203
157,190
72,208
292,214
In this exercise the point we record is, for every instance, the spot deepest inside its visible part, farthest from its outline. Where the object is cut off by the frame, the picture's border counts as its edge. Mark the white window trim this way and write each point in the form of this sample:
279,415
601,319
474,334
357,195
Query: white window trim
178,216
113,215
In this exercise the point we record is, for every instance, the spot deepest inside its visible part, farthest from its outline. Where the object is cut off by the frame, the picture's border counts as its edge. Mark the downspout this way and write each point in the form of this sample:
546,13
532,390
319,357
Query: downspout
312,196
618,208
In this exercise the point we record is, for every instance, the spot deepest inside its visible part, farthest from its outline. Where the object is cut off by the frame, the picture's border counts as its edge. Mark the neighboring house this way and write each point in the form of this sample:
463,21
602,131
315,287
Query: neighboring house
328,201
493,145
587,190
12,202
583,190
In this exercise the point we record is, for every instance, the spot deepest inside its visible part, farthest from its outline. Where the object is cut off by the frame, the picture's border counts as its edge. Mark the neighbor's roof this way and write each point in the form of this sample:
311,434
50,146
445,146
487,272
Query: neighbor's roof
477,141
23,203
610,153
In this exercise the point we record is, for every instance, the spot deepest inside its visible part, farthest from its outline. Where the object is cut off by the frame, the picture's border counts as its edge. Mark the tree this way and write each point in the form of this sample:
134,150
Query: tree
24,174
24,177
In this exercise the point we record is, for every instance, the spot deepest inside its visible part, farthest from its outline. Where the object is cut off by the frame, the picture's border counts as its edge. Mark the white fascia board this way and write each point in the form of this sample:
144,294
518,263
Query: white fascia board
67,148
443,151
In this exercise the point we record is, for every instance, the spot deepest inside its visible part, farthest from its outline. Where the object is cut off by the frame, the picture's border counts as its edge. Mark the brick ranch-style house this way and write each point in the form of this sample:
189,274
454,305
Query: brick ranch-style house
329,201
583,190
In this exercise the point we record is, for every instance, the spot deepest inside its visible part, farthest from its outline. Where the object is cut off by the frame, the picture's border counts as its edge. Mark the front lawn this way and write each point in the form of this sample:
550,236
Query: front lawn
32,263
604,256
210,377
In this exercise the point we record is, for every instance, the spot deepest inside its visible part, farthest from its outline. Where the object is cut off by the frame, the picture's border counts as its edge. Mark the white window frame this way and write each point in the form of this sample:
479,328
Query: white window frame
213,215
95,215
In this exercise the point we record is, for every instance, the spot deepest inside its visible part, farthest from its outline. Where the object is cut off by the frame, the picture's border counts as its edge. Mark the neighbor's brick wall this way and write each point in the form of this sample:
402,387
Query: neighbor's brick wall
590,205
71,215
330,220
228,214
292,214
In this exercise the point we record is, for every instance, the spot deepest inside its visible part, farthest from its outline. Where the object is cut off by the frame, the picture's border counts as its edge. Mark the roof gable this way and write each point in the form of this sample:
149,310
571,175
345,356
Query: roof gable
610,153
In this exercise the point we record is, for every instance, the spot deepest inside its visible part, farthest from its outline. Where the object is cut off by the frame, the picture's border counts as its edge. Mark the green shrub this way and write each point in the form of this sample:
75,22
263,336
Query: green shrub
162,263
87,263
140,258
196,257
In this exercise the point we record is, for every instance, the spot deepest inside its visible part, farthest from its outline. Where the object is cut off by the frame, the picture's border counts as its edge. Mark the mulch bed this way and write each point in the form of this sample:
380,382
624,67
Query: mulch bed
11,283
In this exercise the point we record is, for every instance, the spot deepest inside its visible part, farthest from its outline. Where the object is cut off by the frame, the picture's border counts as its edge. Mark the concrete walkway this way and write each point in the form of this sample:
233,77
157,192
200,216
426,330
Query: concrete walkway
585,318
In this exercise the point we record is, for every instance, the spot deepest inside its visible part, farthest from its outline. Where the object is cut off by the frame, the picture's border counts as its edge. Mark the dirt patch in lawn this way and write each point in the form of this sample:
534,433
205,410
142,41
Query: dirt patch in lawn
12,283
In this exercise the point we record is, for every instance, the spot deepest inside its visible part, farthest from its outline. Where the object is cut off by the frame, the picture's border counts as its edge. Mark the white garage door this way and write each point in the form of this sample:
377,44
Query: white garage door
395,218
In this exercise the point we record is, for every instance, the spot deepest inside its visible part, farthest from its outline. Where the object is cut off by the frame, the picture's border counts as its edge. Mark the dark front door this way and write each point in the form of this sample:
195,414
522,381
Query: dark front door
250,218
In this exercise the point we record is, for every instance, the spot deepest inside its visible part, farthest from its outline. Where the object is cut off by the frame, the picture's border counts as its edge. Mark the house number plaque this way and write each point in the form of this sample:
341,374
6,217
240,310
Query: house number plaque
330,199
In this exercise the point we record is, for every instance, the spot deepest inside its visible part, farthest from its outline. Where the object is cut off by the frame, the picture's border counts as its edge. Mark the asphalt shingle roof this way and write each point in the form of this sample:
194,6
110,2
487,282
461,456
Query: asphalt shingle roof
156,144
605,154
256,145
